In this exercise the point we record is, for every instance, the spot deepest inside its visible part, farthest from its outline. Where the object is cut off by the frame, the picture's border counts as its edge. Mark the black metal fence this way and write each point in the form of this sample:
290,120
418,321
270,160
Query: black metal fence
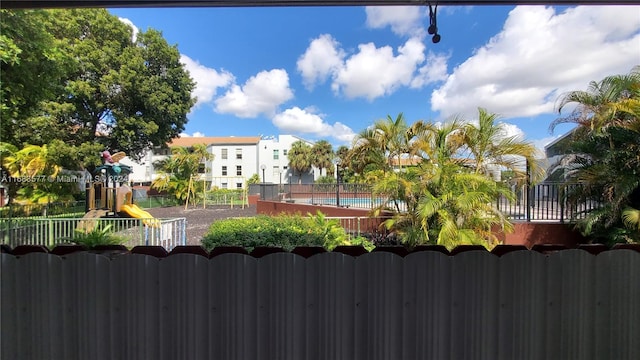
547,201
542,202
43,210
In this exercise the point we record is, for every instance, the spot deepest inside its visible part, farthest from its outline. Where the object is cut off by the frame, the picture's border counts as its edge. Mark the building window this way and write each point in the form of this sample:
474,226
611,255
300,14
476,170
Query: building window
285,152
239,170
201,169
223,185
223,154
238,185
239,154
276,154
276,170
224,171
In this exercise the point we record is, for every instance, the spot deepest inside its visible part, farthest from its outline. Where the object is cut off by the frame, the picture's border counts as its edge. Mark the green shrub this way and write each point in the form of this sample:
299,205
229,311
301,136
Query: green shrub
286,231
100,235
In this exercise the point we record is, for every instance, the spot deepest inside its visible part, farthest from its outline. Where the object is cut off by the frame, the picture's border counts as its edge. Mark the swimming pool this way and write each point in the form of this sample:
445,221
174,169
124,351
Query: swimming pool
360,203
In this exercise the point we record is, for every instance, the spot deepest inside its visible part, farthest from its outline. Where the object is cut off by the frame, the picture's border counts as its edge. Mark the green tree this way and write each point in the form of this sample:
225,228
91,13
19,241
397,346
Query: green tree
254,179
322,155
31,172
31,64
603,156
300,158
345,166
113,94
491,148
178,173
381,146
429,184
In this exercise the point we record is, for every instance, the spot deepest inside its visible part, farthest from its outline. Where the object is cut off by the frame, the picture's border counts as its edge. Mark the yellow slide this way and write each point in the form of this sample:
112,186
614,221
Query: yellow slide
134,211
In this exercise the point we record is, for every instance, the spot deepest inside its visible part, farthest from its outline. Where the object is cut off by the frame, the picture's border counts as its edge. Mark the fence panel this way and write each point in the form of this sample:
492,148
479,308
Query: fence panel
54,231
522,293
378,288
330,307
617,314
542,202
427,305
427,292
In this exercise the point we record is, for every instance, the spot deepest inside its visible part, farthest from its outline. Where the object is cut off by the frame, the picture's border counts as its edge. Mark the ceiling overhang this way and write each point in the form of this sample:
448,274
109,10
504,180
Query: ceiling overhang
25,4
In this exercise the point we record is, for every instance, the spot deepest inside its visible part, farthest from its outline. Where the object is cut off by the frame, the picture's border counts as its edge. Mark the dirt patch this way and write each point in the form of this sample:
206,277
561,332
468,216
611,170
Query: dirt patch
199,219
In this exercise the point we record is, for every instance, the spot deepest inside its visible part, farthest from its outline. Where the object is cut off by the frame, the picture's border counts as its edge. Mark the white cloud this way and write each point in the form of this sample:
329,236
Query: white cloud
307,121
509,130
207,80
135,29
261,94
403,20
538,55
322,57
433,71
375,72
195,134
371,72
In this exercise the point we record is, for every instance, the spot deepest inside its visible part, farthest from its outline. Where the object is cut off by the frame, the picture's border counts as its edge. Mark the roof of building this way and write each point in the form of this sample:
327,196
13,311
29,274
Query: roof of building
556,147
211,140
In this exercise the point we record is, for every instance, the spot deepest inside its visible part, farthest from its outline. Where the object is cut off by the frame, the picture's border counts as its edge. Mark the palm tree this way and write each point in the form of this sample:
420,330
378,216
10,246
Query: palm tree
177,171
35,167
603,156
383,145
30,161
444,200
322,155
613,101
490,147
300,158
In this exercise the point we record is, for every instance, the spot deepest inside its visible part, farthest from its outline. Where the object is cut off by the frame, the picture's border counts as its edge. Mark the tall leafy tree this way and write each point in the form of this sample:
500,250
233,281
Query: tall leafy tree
322,155
300,158
115,93
31,63
346,166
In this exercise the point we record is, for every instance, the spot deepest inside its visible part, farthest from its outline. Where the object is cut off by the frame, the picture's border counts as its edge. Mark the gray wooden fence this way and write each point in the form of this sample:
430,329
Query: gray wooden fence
428,305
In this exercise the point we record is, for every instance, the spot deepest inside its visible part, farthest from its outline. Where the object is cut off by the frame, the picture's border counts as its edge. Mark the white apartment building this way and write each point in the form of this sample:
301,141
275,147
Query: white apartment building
235,159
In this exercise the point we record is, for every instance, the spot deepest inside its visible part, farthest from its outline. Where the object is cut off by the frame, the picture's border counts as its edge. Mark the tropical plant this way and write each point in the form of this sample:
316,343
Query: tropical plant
491,148
322,155
300,158
435,178
345,165
178,173
603,156
442,199
254,179
32,173
381,146
326,180
99,235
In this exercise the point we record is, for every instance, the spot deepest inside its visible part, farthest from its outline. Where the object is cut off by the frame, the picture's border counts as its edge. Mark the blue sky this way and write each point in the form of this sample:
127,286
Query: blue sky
329,72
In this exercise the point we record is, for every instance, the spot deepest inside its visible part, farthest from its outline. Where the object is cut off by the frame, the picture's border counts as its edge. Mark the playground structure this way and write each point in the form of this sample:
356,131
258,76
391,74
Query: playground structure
108,196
